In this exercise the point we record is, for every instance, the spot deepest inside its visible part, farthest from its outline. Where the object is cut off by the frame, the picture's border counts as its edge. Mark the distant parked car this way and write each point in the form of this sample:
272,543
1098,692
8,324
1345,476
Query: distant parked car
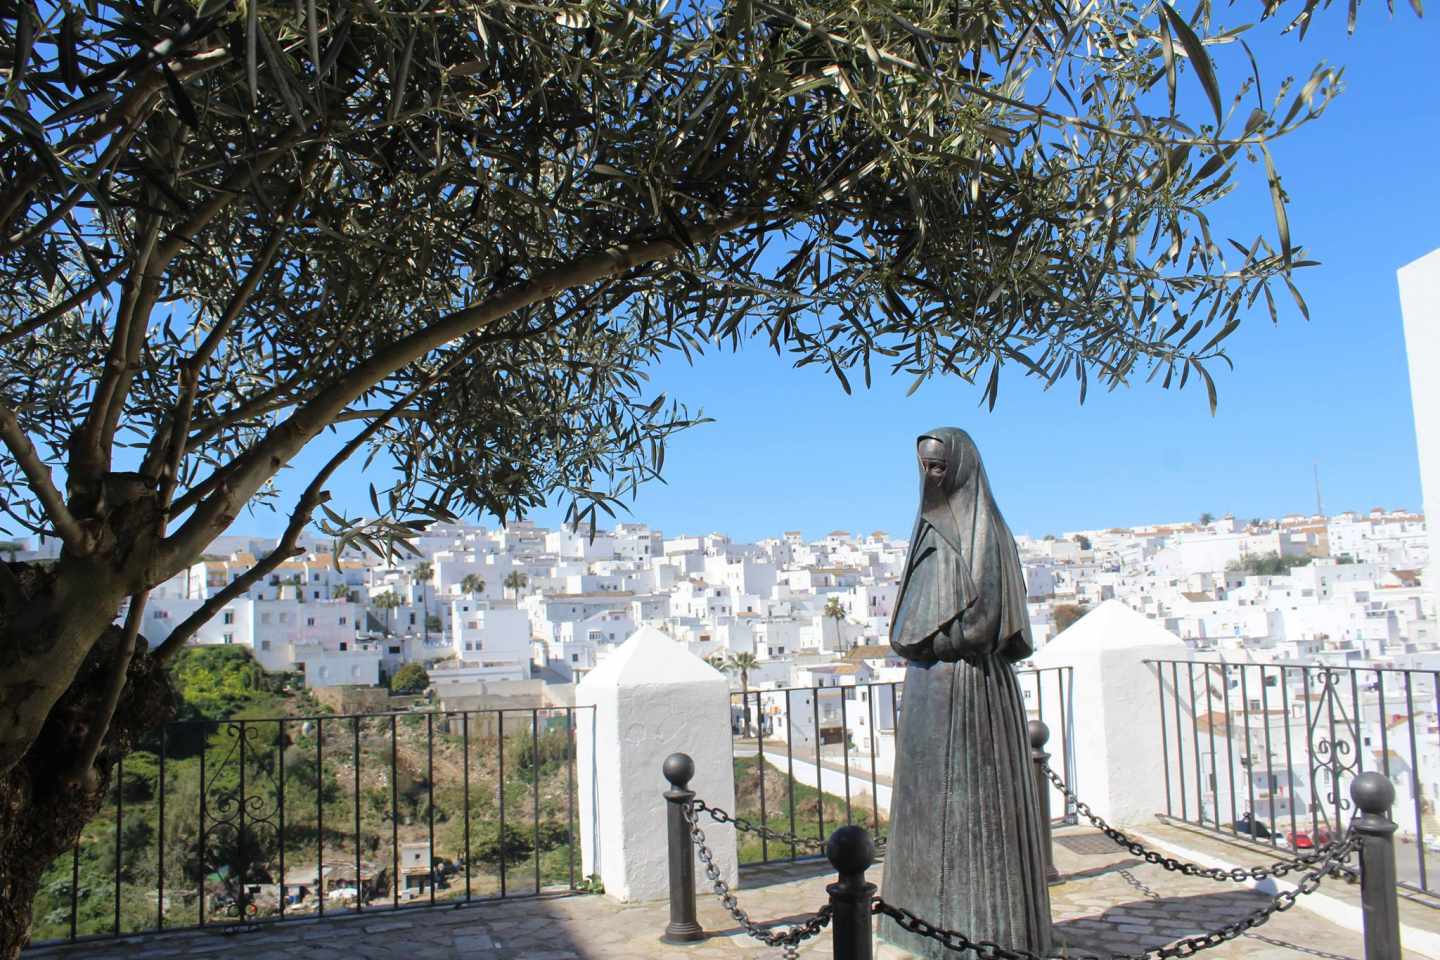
1304,840
1432,844
1250,826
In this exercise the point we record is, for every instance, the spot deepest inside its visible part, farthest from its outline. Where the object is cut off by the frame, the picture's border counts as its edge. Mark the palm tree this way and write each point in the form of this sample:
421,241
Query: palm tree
387,601
472,583
421,574
834,611
340,591
515,582
743,663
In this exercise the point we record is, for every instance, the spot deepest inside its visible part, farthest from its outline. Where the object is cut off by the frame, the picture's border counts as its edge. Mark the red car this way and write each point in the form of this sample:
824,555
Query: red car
1304,840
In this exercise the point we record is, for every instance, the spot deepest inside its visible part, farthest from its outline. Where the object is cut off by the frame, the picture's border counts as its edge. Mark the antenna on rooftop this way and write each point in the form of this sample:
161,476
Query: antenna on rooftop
1319,502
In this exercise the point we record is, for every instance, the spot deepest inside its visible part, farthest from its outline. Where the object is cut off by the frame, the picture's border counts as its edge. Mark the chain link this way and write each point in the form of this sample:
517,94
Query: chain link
746,825
1335,855
1145,890
1235,874
788,939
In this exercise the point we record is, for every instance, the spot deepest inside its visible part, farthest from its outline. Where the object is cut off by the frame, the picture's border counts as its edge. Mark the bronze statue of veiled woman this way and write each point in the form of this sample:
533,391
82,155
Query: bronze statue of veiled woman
965,832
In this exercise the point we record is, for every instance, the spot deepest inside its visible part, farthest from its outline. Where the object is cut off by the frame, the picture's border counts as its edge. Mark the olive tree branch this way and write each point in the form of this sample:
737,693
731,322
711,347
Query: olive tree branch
266,402
38,230
63,307
87,449
175,440
190,369
85,187
257,465
141,292
270,399
313,496
114,686
37,472
1064,119
126,110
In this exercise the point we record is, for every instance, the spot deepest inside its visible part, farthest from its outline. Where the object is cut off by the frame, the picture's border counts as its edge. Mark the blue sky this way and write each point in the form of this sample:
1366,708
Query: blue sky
790,451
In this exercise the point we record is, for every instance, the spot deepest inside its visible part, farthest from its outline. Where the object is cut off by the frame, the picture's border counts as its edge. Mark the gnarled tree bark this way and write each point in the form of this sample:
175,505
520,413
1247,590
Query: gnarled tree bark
42,810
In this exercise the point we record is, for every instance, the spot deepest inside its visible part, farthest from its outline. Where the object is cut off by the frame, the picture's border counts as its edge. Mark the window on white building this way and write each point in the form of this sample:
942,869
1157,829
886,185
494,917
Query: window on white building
229,617
342,620
344,645
309,621
229,638
264,644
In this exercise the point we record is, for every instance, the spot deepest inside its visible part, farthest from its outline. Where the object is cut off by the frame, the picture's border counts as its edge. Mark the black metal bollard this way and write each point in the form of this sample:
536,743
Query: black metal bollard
1379,903
1039,736
683,927
850,851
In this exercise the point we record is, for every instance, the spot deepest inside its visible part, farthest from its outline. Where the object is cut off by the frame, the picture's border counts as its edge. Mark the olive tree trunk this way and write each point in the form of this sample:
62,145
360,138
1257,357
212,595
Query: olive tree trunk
42,806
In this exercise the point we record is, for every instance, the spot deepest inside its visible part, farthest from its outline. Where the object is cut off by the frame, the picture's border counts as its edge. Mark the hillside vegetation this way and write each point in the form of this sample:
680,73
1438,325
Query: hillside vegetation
229,733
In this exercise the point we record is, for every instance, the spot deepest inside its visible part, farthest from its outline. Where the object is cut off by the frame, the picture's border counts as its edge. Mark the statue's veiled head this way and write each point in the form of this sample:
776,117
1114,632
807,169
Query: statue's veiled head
948,461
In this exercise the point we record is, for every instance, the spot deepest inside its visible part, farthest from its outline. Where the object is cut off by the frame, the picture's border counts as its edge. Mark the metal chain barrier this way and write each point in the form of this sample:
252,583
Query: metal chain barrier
1235,874
790,938
1326,861
1146,891
745,825
955,940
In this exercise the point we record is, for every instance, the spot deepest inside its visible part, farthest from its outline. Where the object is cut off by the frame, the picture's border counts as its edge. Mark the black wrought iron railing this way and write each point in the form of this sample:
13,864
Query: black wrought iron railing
810,759
268,819
1266,752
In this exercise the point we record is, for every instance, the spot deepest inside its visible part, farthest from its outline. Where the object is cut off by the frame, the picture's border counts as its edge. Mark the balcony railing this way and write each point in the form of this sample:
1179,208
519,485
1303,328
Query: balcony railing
1266,752
259,820
810,759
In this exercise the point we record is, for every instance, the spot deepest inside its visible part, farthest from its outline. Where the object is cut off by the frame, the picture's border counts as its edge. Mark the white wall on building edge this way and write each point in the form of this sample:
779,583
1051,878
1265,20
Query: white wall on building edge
1118,759
650,698
1420,305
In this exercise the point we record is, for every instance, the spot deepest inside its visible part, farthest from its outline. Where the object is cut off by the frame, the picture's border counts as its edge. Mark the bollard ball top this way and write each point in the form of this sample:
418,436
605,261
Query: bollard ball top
1372,793
1039,734
679,770
850,850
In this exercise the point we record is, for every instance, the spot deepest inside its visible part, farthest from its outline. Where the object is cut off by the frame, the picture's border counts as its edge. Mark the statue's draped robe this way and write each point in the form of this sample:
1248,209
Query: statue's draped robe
965,831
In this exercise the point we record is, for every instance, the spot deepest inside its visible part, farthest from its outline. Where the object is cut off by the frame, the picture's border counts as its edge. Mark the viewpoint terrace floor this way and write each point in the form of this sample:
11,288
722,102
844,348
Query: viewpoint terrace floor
1101,908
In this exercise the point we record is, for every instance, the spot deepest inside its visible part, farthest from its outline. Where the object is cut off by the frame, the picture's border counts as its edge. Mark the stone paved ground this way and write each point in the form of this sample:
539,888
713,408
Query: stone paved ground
1103,907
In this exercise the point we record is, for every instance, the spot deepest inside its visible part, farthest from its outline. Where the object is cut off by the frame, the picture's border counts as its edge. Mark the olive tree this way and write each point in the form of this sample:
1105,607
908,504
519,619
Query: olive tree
457,234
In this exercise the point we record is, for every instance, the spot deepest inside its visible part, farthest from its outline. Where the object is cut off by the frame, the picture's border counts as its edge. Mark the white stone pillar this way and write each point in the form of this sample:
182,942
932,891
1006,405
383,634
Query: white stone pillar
647,700
1117,761
1420,305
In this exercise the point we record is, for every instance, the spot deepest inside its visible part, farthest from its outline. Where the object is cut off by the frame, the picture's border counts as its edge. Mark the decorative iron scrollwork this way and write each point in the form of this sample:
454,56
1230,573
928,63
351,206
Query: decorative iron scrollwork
1334,740
240,816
